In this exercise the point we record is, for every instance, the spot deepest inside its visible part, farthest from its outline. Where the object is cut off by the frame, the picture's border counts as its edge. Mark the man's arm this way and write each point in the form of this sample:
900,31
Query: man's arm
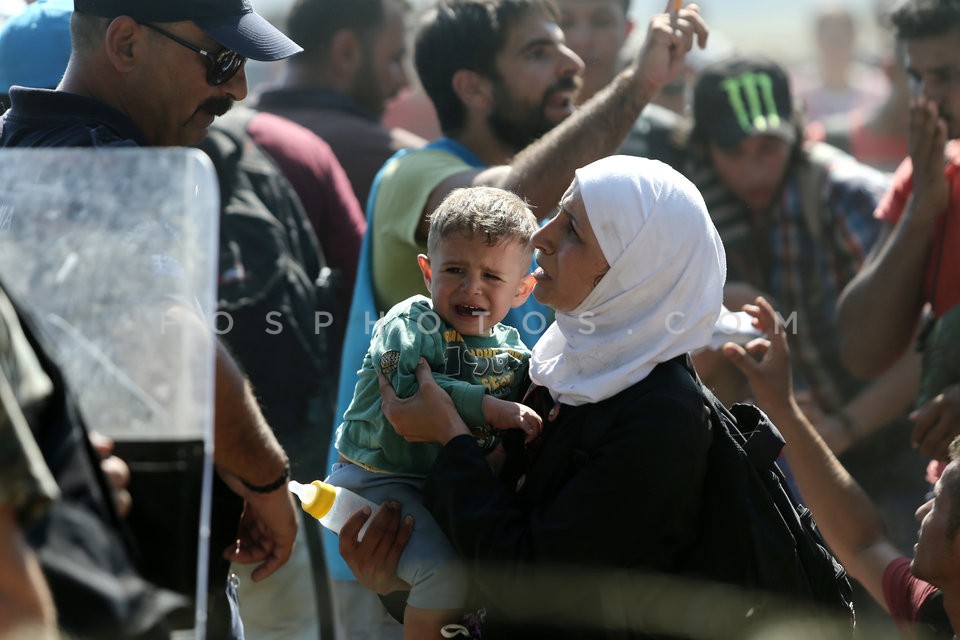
845,515
247,455
878,310
885,399
542,171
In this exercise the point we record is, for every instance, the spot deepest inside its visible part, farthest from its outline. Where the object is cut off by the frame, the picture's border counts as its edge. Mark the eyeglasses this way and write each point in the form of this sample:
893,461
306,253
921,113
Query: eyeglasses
220,66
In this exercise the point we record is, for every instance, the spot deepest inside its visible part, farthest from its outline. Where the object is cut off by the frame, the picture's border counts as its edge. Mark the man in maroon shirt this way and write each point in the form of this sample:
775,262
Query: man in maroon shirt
351,66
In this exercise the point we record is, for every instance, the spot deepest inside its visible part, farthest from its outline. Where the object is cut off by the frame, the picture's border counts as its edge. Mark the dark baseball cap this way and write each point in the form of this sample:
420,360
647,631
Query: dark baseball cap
741,97
232,23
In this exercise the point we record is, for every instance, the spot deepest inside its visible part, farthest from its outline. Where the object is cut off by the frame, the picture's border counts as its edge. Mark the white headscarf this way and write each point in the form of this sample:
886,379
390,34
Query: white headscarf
661,296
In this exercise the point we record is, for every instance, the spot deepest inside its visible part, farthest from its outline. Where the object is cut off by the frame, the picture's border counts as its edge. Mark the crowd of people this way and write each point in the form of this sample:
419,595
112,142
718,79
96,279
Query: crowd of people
518,335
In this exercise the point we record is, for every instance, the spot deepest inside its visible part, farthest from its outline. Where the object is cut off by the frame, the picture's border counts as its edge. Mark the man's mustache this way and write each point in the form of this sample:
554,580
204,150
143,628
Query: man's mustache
217,106
569,83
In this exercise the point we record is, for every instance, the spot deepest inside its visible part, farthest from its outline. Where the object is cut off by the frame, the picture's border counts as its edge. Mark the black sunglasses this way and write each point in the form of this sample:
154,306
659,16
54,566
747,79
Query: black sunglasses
221,66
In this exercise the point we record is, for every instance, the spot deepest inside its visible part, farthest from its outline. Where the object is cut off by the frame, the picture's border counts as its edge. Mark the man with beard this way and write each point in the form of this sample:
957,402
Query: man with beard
916,261
797,222
501,77
157,74
351,66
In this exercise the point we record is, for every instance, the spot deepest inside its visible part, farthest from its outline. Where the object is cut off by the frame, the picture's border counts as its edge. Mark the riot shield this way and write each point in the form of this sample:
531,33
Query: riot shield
102,246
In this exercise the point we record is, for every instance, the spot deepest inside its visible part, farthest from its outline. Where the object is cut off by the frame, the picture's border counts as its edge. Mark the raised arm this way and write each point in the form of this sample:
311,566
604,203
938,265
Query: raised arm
542,171
885,399
845,515
878,311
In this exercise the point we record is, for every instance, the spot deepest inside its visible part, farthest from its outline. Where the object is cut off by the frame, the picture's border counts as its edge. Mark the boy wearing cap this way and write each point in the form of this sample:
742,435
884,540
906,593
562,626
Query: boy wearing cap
797,222
157,74
796,219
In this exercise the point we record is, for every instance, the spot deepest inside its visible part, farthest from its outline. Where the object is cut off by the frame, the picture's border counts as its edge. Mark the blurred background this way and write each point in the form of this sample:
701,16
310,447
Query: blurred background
785,31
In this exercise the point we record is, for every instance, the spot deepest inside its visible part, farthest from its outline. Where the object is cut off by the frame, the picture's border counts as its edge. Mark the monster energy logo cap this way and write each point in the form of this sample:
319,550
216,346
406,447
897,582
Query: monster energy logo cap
742,97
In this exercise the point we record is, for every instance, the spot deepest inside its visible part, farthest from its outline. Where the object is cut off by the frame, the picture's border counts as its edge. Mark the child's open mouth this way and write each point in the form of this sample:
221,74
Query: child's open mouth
467,310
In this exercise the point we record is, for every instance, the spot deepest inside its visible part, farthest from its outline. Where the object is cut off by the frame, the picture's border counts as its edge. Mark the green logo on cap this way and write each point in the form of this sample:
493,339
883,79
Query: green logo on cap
757,87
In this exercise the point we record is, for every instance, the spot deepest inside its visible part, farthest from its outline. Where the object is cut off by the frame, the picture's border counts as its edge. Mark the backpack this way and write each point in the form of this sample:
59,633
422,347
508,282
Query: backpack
273,283
756,532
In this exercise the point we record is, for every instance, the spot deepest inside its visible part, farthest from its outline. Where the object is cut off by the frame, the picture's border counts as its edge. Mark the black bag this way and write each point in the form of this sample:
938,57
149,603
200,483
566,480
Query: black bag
273,283
756,534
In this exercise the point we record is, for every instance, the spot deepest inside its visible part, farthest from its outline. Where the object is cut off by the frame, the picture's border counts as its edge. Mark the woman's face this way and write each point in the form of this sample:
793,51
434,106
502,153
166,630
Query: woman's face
570,261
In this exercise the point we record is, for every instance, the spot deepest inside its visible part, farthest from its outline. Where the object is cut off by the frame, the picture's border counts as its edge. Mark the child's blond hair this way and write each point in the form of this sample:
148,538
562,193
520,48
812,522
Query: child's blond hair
495,214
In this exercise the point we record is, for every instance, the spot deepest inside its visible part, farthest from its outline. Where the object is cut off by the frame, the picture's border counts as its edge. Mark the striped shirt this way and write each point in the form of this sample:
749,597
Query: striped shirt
803,253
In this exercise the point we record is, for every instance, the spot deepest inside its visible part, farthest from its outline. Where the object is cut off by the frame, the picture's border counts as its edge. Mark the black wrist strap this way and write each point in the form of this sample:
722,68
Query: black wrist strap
273,486
395,603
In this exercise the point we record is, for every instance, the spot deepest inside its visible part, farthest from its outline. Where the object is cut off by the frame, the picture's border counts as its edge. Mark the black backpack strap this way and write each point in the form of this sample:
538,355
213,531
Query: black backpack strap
229,140
763,440
748,425
224,144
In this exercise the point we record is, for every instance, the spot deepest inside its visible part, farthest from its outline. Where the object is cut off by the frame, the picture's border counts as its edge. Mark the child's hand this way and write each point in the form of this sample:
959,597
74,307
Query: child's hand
503,414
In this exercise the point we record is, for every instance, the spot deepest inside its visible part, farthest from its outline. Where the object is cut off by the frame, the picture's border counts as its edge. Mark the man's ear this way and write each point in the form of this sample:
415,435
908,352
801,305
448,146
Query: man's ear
524,290
346,53
474,90
424,262
123,41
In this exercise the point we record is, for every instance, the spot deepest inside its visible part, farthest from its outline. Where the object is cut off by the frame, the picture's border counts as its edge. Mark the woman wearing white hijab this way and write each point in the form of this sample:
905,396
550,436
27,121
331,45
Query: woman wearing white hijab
634,269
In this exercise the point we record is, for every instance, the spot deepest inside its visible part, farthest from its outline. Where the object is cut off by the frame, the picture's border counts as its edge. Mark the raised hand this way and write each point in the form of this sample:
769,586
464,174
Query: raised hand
670,36
937,423
928,136
770,378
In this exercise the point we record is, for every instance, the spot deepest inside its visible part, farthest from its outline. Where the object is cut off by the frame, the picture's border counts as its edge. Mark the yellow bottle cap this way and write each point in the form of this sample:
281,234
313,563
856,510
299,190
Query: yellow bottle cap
322,500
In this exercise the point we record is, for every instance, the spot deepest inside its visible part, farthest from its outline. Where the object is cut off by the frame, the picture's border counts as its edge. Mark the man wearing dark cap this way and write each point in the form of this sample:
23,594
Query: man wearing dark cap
796,219
157,74
145,73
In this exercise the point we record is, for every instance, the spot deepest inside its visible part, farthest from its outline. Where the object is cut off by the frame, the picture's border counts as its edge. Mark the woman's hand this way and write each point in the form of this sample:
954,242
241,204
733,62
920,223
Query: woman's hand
374,559
427,416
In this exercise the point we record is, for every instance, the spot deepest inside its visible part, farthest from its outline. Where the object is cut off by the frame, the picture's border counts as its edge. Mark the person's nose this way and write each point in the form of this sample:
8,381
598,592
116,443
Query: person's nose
541,239
761,172
236,87
471,284
570,62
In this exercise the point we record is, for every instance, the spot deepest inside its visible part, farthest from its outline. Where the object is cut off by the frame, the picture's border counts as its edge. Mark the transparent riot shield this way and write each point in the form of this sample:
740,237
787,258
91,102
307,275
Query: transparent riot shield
105,247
